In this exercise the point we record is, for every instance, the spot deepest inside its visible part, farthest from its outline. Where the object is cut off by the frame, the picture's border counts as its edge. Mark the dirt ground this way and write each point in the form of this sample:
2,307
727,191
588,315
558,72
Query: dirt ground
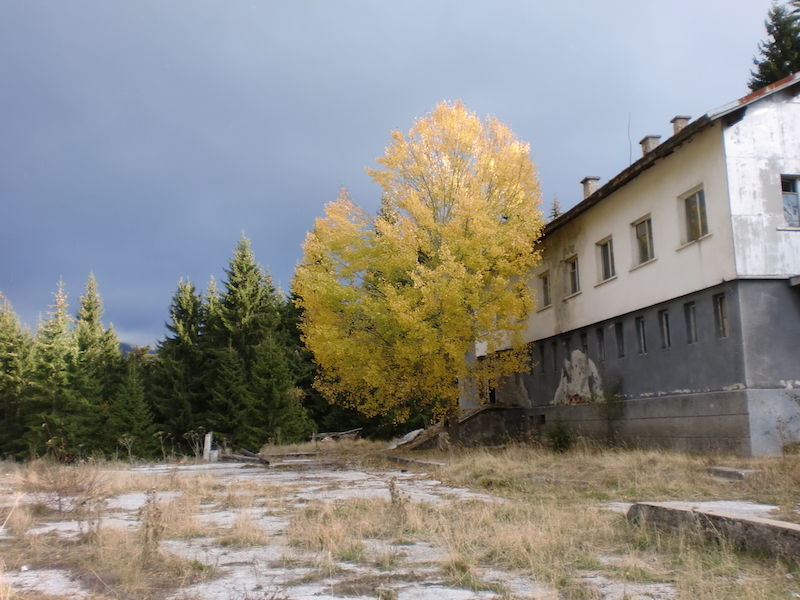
275,569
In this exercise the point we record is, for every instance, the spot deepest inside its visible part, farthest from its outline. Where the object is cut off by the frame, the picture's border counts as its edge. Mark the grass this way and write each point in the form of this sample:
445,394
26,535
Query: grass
547,523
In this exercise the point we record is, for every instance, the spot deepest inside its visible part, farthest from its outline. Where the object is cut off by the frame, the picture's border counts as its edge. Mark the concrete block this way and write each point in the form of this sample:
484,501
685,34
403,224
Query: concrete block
733,473
751,534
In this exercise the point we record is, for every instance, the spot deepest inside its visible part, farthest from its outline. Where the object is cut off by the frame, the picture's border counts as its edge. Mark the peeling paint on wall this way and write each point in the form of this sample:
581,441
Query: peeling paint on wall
580,381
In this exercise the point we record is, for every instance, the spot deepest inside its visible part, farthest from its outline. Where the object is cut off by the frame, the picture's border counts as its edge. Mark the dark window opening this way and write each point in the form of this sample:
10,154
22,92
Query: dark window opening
620,340
641,340
691,322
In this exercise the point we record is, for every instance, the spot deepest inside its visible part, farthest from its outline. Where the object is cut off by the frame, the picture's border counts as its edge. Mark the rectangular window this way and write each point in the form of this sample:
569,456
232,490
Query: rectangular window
696,220
585,343
568,347
691,323
607,270
643,230
721,315
541,359
791,208
663,327
601,345
641,340
573,276
555,355
620,340
547,300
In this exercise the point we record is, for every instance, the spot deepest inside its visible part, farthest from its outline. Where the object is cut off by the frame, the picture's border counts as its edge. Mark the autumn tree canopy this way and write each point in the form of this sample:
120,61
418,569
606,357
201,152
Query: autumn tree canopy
394,305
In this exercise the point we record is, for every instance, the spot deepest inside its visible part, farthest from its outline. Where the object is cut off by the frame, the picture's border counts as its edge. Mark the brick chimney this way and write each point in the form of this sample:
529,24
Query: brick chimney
590,185
649,143
679,123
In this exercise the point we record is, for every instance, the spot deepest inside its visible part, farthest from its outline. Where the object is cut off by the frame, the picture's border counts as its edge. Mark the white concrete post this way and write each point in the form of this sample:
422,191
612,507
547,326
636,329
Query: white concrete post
207,447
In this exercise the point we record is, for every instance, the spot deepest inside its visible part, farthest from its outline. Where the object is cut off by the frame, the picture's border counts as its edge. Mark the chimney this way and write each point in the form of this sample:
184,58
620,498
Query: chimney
649,142
589,185
679,123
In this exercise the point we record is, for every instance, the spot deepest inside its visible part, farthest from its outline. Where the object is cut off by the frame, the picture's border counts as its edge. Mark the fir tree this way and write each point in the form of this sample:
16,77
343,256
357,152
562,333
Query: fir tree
129,414
15,366
59,420
555,209
179,391
281,416
780,54
233,415
247,307
97,371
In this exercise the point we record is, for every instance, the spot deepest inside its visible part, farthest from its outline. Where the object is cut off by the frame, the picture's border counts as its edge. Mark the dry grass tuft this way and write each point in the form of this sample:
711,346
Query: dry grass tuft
245,531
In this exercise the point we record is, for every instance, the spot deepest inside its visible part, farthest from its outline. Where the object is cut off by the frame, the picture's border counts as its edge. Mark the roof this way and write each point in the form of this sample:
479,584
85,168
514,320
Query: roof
734,110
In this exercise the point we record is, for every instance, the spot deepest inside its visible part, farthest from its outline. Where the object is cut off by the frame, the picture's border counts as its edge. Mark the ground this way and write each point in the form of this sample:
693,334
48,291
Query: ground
330,527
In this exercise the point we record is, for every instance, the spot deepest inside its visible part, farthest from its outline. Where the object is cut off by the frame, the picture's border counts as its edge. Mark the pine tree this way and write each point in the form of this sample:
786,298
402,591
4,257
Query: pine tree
281,416
59,420
15,366
247,307
555,209
98,370
179,375
233,415
780,54
130,417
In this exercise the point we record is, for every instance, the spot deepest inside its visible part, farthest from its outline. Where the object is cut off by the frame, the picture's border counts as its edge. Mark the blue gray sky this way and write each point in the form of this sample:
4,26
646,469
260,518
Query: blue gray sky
139,139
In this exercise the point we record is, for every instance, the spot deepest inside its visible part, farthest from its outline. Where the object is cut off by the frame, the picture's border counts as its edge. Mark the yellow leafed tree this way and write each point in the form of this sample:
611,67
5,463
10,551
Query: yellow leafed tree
394,305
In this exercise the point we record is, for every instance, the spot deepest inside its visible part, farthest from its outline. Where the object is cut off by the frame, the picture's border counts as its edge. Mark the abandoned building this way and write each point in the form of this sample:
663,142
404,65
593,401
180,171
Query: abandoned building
668,300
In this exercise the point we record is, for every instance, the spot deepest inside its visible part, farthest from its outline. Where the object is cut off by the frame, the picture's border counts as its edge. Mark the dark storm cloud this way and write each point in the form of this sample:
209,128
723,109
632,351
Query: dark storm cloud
138,140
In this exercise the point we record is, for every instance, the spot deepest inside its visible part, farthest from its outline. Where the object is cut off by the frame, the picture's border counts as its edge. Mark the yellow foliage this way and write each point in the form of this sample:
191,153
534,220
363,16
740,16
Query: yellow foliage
394,305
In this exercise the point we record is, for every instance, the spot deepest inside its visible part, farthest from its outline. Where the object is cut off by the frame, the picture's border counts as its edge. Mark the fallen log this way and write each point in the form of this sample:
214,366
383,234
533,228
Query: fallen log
243,456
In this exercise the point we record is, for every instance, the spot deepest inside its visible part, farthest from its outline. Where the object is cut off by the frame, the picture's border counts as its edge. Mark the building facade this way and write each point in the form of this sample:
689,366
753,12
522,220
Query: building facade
668,300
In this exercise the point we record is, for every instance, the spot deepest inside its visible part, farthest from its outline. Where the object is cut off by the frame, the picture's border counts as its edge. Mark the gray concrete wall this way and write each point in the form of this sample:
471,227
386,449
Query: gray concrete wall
714,421
738,393
709,364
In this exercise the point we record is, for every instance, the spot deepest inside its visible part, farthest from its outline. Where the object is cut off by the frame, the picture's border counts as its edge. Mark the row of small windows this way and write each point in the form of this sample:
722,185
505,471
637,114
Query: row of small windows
696,227
664,332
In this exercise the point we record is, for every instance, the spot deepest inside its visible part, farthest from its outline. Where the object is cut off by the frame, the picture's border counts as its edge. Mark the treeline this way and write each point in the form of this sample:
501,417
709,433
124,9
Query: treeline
231,362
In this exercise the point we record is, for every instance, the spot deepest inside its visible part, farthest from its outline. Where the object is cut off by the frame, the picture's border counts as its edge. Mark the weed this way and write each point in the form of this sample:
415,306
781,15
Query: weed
151,529
560,436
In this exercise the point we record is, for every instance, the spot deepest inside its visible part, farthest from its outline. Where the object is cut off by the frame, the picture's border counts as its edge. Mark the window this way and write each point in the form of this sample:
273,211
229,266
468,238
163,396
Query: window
585,343
696,221
620,340
555,356
568,347
791,208
601,345
541,359
691,323
573,276
606,249
643,230
547,300
721,315
641,340
663,328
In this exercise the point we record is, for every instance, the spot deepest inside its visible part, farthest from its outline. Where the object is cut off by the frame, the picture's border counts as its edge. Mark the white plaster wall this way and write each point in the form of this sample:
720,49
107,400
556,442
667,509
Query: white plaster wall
678,268
760,148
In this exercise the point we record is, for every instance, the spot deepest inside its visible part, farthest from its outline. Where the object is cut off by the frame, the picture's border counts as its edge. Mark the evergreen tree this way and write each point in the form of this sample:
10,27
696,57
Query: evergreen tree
179,376
15,357
98,369
59,420
555,209
281,416
248,307
130,418
233,415
780,54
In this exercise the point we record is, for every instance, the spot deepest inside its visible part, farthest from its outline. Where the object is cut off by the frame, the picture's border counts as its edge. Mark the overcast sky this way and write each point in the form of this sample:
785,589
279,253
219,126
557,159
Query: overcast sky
139,139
